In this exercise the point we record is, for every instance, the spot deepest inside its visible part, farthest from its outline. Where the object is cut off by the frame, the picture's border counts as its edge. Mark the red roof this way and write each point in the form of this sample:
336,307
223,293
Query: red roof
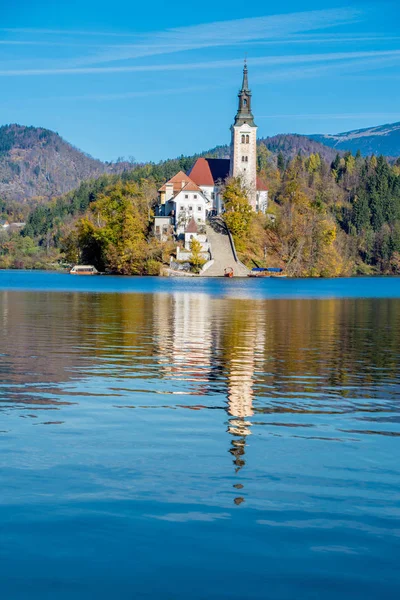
192,187
201,172
178,181
261,186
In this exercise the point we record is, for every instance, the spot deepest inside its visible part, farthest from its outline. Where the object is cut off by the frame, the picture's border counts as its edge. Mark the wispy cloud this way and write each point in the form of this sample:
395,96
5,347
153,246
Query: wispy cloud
352,64
227,33
194,37
336,116
222,64
128,95
68,32
326,39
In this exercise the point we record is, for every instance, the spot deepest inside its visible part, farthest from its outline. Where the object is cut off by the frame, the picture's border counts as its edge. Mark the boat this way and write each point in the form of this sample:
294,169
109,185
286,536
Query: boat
84,270
267,272
228,272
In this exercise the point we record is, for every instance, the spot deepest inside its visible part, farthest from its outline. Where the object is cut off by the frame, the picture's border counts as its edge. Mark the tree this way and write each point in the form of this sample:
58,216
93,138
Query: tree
238,211
263,157
313,163
281,162
196,259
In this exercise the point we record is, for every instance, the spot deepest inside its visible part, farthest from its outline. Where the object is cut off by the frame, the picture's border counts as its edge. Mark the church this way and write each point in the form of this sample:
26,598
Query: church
199,193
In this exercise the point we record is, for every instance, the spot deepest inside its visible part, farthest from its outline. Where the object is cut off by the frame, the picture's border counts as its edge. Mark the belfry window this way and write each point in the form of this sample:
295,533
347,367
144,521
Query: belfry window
247,139
243,139
245,102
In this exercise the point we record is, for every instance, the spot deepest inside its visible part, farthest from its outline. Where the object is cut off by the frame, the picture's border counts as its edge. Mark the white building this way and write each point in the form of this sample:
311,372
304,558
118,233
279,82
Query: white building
200,191
182,199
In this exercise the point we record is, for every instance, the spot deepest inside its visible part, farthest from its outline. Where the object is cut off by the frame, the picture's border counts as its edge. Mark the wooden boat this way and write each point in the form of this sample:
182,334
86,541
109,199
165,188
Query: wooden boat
267,272
259,273
228,272
84,270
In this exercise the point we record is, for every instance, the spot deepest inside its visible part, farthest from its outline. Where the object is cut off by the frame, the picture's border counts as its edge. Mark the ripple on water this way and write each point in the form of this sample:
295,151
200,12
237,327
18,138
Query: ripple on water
199,435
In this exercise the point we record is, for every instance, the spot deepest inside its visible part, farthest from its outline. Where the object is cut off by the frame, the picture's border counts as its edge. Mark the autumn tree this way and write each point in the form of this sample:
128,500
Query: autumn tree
196,258
238,211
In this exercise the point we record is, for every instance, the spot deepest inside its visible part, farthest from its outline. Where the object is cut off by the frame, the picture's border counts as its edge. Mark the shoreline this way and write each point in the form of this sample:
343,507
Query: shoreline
181,274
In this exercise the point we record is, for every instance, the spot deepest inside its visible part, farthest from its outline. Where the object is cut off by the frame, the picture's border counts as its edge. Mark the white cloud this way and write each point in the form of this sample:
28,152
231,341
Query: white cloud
222,64
226,33
338,116
207,35
127,95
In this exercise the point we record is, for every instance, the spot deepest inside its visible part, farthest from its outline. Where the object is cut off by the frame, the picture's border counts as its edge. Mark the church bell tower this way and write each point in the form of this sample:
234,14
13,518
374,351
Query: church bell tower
244,143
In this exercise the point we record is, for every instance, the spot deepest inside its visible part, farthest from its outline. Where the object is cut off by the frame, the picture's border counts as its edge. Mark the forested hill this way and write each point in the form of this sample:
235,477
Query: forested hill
37,162
292,144
288,145
384,139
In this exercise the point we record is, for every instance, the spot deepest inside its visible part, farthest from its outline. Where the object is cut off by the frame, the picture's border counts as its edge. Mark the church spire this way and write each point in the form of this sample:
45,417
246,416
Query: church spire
245,84
244,114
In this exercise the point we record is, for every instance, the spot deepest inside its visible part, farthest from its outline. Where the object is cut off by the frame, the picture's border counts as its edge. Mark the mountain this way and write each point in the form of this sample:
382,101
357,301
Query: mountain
36,162
384,139
291,144
288,144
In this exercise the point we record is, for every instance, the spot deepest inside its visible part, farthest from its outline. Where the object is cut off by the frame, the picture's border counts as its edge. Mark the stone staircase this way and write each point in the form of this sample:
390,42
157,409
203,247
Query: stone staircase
221,251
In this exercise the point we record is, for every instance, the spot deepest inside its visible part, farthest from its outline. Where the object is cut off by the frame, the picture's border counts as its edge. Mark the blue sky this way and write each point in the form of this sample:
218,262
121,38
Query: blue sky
155,80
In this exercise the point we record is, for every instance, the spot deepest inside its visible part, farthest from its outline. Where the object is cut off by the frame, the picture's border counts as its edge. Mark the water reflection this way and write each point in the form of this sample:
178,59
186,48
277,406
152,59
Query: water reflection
271,348
274,363
176,423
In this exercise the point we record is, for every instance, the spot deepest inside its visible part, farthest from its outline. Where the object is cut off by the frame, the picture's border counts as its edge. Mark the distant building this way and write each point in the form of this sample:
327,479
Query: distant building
181,199
198,193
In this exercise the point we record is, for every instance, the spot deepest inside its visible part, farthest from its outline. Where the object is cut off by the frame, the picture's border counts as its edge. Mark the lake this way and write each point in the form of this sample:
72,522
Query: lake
199,439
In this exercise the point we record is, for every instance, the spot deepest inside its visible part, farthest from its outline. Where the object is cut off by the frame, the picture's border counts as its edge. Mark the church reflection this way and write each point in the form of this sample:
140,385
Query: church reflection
246,349
216,352
194,351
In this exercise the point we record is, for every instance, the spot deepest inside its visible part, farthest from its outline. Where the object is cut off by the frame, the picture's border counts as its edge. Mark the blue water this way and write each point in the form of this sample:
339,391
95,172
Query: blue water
361,287
176,438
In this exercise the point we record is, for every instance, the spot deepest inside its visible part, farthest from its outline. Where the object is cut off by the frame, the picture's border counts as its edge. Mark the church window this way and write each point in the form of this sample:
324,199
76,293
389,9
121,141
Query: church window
245,102
243,139
195,196
190,207
247,139
247,159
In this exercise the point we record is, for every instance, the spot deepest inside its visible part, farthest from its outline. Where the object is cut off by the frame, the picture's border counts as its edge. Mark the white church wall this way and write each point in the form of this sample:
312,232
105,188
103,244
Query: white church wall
209,193
244,158
188,205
